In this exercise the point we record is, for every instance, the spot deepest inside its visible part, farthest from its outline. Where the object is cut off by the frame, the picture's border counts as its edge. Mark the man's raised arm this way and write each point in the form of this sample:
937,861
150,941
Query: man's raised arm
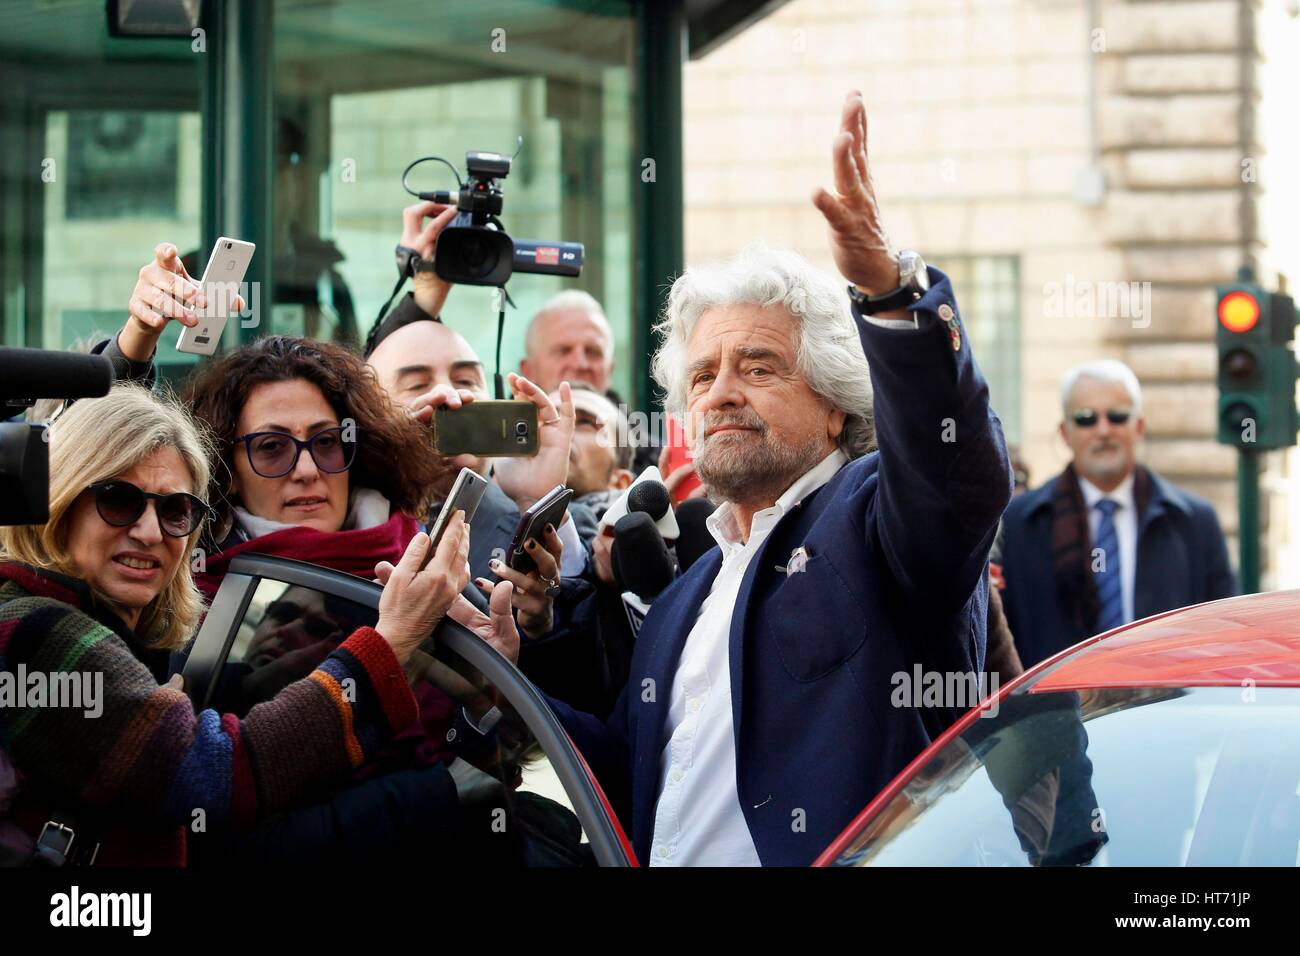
944,472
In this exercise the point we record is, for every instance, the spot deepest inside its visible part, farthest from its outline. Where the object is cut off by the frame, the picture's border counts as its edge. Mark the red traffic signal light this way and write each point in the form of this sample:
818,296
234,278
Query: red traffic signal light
1238,311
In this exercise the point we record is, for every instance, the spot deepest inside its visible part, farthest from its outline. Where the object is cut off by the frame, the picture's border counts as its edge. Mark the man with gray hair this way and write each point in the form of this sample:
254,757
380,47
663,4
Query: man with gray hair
757,719
569,340
1107,541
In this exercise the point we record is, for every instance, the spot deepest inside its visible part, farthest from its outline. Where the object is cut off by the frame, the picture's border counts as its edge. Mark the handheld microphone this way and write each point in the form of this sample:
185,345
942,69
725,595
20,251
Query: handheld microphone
648,495
695,538
639,557
651,497
29,374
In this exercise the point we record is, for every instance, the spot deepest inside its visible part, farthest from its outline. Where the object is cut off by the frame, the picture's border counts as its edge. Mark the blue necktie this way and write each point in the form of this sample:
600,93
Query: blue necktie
1110,594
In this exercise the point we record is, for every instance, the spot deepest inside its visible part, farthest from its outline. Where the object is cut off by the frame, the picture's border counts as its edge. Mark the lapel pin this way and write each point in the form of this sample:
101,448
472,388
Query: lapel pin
798,561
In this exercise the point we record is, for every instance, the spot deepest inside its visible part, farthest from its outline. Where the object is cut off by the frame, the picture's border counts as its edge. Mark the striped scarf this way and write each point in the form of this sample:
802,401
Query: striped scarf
150,763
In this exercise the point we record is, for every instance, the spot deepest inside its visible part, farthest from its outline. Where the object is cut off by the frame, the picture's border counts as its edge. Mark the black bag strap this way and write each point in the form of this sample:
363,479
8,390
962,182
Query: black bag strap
56,845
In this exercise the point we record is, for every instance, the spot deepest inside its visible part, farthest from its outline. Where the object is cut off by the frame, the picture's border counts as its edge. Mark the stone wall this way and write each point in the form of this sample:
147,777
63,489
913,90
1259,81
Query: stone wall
991,123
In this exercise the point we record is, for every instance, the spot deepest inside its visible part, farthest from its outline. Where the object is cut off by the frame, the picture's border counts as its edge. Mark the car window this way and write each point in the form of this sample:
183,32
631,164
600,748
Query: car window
1204,776
507,781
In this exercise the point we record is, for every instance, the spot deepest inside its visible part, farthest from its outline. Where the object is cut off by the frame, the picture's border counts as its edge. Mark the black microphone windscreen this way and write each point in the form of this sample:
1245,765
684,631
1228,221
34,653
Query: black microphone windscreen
36,373
650,497
640,558
693,538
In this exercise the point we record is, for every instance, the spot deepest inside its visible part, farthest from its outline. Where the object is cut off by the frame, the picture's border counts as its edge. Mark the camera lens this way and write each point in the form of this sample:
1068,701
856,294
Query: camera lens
480,256
230,245
521,428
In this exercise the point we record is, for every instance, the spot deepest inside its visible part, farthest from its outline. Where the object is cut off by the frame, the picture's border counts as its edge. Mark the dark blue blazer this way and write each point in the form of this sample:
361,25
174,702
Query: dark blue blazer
898,544
1182,559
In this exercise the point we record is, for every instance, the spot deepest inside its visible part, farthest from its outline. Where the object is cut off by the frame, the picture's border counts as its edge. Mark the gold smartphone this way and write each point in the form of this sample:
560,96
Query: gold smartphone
487,428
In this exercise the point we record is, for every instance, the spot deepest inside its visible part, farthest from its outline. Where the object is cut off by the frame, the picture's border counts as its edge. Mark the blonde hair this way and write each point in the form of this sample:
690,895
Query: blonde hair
99,439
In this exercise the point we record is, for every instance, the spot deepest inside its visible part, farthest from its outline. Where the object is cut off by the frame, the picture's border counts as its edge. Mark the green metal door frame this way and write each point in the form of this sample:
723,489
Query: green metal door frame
661,48
237,104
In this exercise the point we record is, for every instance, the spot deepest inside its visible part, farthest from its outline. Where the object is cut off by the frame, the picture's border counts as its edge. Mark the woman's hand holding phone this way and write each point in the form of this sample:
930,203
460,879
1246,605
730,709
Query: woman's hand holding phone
164,291
415,600
533,597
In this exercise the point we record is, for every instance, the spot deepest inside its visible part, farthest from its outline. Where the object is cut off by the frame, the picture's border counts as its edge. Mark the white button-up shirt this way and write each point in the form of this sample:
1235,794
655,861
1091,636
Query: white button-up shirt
1126,530
698,820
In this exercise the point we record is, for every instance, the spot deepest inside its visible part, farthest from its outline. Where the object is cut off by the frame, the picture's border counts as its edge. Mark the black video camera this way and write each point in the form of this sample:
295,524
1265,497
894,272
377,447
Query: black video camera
475,249
25,375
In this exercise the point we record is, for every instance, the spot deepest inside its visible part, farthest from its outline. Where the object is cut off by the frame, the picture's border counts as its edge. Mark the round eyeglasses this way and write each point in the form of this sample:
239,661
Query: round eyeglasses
275,454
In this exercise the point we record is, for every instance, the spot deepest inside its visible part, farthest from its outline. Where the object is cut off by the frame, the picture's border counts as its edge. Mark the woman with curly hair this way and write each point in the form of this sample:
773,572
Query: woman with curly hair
314,462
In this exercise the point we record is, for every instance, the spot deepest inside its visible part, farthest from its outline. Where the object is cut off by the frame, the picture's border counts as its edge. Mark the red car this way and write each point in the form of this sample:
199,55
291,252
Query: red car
1173,741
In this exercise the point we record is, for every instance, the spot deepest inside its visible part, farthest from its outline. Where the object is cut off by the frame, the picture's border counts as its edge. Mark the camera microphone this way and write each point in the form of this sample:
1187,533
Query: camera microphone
29,374
640,558
695,538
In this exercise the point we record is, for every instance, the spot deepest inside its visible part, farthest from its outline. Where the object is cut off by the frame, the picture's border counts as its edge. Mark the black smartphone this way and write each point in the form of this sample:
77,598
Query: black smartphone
465,495
549,509
486,428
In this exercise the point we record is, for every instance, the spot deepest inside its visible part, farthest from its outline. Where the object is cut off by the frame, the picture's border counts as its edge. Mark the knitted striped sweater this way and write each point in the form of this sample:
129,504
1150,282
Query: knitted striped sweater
147,753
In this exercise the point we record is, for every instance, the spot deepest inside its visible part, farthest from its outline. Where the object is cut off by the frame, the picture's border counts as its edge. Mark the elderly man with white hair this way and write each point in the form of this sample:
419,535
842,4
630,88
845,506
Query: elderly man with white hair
760,716
1107,541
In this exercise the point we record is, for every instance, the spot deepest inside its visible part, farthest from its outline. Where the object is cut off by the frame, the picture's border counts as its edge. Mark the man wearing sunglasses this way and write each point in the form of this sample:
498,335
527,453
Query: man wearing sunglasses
1107,541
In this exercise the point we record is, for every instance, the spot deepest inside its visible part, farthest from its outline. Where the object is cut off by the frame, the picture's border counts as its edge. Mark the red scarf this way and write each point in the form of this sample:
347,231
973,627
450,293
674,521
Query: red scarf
352,552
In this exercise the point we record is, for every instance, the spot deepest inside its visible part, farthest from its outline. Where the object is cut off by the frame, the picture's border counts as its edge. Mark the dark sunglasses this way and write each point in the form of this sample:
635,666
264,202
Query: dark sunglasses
1087,417
121,504
275,454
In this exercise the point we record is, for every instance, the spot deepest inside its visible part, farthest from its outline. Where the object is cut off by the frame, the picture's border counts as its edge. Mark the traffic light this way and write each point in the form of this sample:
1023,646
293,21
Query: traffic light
1257,369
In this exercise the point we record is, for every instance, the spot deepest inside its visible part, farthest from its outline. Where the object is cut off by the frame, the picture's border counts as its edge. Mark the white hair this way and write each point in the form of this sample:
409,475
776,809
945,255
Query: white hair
570,299
829,355
1112,371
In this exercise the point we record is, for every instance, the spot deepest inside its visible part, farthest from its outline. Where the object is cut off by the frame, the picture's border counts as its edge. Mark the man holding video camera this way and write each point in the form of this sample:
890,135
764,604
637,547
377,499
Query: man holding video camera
757,718
425,365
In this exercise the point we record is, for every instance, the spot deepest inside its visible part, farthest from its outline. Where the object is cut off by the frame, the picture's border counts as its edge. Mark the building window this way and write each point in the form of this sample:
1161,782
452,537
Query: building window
121,164
988,294
346,128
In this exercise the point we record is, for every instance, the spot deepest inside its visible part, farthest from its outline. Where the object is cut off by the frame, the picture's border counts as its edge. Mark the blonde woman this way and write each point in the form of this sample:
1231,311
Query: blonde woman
100,594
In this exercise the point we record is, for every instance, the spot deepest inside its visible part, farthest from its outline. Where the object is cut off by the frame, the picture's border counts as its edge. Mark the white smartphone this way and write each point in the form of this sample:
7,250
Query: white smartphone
465,495
220,283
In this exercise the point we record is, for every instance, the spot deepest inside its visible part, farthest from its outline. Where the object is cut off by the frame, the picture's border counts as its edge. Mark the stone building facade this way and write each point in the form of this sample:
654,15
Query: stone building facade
1086,171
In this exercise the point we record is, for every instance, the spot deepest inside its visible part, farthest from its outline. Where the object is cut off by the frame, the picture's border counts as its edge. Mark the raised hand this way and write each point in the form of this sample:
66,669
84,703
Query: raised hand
527,479
429,292
164,291
859,243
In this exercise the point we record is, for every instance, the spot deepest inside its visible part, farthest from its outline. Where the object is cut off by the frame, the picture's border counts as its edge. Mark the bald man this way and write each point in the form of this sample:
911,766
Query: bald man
422,364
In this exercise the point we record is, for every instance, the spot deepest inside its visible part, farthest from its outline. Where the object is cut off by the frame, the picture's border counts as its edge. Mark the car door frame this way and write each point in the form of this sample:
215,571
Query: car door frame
215,638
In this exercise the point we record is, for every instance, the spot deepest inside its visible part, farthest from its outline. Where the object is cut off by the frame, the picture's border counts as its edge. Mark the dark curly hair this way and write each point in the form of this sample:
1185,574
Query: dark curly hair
395,454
